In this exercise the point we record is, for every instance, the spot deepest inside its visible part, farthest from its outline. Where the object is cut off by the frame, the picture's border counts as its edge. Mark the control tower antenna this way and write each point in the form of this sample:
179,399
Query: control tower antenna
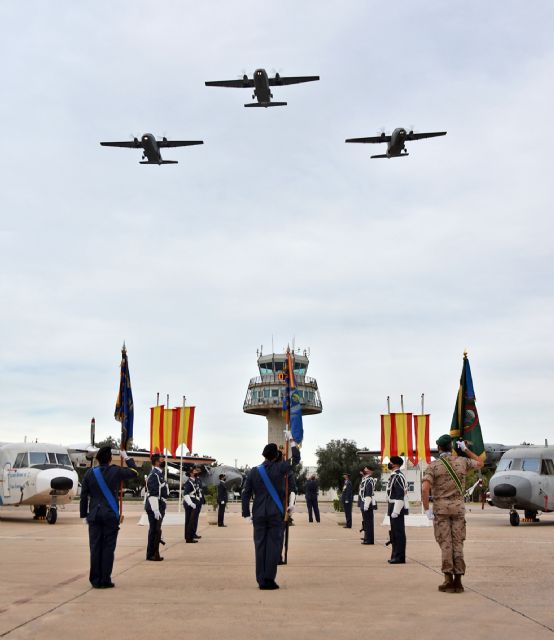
266,392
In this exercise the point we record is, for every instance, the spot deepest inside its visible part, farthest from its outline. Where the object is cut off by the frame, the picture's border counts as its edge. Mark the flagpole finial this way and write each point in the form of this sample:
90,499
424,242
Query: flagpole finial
123,348
465,353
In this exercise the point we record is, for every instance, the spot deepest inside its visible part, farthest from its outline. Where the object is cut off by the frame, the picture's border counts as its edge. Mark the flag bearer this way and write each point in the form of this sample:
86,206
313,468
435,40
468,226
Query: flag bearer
446,477
192,503
222,499
365,502
266,483
396,493
157,493
346,498
99,506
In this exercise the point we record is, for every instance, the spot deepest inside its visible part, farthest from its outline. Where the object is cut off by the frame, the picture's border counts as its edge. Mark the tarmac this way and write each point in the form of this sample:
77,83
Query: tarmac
332,587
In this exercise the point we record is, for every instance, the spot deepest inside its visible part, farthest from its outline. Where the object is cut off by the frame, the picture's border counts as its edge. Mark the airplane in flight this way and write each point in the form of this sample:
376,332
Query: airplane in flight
151,147
262,83
524,480
396,142
40,476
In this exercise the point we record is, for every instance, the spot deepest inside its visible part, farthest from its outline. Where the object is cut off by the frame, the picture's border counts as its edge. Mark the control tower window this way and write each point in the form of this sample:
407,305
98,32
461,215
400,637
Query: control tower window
279,366
275,393
300,368
266,393
266,369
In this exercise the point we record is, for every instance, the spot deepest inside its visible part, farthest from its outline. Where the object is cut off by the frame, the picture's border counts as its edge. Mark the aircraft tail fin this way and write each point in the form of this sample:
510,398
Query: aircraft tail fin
162,162
266,104
384,155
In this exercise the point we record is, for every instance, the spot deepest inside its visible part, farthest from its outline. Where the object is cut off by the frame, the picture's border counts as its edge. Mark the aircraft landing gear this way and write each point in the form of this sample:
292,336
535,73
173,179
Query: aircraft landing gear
39,512
514,518
530,516
52,515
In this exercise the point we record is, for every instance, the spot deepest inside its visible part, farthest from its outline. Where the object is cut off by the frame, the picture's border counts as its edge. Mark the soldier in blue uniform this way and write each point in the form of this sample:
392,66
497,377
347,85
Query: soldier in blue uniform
193,503
346,499
365,503
266,483
396,492
311,491
99,505
157,493
222,499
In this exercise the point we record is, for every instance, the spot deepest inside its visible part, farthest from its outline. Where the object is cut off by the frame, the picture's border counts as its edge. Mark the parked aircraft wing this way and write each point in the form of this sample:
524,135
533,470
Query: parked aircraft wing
372,139
129,144
420,136
239,84
178,143
280,80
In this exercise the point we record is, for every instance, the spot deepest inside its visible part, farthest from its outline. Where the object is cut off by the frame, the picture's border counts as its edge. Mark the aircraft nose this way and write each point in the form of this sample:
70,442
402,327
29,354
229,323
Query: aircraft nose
505,490
513,487
61,483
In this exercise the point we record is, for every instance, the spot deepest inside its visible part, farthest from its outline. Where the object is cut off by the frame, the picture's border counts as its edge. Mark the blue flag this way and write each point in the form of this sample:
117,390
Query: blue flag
124,411
291,403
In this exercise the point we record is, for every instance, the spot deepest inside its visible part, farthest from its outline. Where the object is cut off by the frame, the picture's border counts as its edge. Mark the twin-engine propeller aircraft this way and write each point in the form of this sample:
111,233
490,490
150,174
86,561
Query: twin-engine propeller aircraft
261,84
396,142
37,475
524,480
151,147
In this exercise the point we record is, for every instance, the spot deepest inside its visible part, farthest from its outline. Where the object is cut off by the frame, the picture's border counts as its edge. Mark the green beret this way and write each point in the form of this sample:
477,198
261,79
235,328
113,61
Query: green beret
444,440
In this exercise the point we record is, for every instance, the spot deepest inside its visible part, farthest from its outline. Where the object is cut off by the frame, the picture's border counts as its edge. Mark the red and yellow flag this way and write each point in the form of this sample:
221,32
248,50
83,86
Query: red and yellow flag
421,432
183,424
396,435
157,429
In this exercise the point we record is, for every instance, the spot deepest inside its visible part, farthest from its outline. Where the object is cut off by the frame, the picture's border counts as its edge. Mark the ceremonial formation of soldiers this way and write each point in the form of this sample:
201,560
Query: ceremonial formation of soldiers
272,488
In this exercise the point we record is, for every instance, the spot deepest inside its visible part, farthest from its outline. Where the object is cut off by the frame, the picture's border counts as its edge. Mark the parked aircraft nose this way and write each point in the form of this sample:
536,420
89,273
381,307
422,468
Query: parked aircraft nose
61,483
505,491
514,487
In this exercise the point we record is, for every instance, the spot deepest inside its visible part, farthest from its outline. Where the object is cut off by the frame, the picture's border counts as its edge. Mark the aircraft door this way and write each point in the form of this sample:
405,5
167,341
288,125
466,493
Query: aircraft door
5,480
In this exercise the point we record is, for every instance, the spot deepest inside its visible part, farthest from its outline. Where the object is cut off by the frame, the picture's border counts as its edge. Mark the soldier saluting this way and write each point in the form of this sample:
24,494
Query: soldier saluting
446,477
157,493
396,493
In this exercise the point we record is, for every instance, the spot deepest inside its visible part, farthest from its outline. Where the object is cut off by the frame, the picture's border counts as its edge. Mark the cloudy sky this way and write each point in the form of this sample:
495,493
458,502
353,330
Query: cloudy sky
386,270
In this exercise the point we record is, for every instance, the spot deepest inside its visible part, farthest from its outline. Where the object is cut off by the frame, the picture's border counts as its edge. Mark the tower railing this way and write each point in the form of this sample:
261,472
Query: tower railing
273,378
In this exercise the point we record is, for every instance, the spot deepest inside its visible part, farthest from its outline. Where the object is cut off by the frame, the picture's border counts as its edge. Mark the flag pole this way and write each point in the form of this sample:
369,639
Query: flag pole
165,448
287,422
388,405
181,462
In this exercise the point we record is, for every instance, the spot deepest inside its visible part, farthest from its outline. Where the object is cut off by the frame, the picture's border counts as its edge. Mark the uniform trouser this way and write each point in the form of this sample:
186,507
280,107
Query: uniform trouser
102,535
450,533
197,517
367,519
220,514
191,521
312,506
154,534
348,514
397,535
268,542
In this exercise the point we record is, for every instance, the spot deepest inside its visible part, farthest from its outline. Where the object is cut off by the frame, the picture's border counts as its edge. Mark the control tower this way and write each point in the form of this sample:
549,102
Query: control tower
266,392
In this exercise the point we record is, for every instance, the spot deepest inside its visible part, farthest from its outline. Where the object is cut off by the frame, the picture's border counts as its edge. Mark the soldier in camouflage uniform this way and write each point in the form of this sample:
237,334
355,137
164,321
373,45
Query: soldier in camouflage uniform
445,478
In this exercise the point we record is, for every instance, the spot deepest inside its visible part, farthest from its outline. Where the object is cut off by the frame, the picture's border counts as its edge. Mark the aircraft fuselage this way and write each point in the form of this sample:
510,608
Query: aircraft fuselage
262,91
397,142
151,150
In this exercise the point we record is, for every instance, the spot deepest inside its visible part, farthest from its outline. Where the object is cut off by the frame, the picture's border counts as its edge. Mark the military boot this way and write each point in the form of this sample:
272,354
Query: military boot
448,580
456,586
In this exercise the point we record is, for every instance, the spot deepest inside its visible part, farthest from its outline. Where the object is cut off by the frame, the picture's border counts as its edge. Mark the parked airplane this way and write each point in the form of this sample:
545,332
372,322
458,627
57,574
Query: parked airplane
151,147
524,480
396,142
38,475
261,84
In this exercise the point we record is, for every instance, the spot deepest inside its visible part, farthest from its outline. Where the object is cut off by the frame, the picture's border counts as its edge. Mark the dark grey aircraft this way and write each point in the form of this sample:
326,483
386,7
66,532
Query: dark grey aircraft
261,84
396,147
151,147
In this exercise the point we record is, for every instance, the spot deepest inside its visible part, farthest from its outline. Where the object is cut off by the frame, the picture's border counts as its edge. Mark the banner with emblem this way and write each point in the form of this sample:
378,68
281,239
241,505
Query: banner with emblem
465,421
124,410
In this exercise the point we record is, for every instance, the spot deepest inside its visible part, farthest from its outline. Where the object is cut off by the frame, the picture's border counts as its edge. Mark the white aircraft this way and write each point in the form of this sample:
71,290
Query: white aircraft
38,475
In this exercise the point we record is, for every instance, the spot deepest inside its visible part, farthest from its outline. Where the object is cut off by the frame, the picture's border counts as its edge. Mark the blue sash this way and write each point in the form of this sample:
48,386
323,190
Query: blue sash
110,499
270,488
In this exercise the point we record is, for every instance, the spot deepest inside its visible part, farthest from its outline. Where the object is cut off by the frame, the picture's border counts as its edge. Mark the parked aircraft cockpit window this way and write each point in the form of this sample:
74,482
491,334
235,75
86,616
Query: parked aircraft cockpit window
505,464
52,458
38,457
63,459
547,468
531,464
21,461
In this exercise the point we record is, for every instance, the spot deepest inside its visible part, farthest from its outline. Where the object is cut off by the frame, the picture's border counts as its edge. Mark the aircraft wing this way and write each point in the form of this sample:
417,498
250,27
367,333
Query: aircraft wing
129,144
280,80
420,136
239,84
178,143
372,139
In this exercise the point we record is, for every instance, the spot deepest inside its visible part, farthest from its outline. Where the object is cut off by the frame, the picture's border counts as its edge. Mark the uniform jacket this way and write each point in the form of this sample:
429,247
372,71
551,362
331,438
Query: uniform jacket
156,486
366,490
254,486
222,493
447,498
347,492
92,499
396,486
193,488
311,489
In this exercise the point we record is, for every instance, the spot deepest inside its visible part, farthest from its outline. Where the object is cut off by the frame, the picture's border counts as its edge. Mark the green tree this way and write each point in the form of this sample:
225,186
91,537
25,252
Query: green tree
301,477
339,457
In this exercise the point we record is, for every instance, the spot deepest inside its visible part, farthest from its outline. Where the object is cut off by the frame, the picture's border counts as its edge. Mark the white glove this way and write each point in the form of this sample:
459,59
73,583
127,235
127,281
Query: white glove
367,503
124,455
189,502
346,501
249,518
398,506
292,501
155,506
222,502
288,435
429,513
394,515
462,446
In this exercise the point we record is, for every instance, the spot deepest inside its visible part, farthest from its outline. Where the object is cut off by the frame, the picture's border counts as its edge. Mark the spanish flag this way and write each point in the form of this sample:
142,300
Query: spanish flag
157,429
182,425
421,431
396,435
